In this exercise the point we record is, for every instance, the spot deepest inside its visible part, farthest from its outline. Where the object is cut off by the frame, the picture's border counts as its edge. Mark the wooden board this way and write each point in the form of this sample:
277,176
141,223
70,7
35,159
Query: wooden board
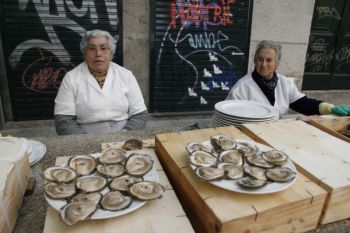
158,216
320,156
333,126
212,209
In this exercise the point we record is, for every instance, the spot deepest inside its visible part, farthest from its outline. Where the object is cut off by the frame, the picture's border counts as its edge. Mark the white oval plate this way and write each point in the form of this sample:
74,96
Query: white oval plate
36,151
232,185
104,214
246,109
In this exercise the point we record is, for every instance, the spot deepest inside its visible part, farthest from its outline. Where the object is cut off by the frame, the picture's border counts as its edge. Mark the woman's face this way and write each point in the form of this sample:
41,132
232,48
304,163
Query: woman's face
98,54
266,63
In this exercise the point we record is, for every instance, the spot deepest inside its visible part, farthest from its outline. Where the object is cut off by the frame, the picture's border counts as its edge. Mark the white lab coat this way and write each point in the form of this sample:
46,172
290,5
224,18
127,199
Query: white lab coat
81,96
286,92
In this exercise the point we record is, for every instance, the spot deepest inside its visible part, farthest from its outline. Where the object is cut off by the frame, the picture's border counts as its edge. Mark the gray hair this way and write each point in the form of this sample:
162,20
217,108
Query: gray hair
268,44
98,33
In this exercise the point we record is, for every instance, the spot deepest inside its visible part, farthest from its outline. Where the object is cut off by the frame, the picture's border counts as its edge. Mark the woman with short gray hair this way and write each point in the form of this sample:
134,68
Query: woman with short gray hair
98,96
266,86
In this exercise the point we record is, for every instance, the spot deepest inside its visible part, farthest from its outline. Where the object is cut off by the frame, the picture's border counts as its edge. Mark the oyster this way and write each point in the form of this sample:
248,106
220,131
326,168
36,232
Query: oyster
247,148
222,142
232,171
112,156
251,183
195,146
281,174
111,170
255,172
275,156
122,183
146,190
231,156
258,161
82,164
138,164
115,200
210,173
92,183
60,174
132,144
202,159
59,190
77,211
87,197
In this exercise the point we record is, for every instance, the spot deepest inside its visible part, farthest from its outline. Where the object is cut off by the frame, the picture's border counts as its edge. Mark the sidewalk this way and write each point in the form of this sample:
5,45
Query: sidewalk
46,128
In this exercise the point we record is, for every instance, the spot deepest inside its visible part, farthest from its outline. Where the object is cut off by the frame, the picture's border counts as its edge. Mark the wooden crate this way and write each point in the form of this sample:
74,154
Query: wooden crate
333,126
157,216
320,156
212,209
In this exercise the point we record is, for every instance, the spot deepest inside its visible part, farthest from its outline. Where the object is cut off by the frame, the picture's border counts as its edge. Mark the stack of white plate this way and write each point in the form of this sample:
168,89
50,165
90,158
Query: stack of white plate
238,112
36,151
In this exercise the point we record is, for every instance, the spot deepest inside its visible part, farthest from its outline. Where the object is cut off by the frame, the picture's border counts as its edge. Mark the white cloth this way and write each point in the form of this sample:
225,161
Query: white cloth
81,96
286,92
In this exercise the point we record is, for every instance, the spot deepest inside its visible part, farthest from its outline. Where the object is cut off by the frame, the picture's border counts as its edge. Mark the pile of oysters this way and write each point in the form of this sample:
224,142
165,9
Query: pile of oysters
109,182
240,161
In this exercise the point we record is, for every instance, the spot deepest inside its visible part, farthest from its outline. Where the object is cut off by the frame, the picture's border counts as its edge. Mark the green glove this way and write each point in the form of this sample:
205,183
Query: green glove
341,110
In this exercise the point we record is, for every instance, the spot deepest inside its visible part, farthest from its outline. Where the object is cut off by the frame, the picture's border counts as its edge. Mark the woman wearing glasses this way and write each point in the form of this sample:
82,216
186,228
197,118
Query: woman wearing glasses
266,86
98,95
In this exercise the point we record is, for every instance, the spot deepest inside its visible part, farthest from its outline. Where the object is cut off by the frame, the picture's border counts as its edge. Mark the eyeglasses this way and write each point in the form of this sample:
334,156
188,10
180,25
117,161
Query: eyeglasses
102,49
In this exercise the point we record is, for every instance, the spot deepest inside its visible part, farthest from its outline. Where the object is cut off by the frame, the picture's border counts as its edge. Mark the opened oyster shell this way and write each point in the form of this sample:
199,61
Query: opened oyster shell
275,156
115,200
231,156
59,190
202,159
232,171
77,211
111,170
146,190
112,156
94,197
138,164
82,164
247,148
251,183
257,160
195,146
210,173
122,183
222,142
132,144
255,172
280,174
91,183
60,174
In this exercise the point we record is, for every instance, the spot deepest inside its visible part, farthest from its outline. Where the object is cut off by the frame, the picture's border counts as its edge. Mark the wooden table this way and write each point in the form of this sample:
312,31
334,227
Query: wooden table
323,158
163,215
212,209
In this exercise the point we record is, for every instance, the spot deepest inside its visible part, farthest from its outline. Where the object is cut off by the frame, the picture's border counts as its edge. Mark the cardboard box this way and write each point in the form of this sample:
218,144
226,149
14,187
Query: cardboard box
14,175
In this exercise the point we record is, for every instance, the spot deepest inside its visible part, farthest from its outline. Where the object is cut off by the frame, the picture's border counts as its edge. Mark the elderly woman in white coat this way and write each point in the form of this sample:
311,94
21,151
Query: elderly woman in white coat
98,95
266,86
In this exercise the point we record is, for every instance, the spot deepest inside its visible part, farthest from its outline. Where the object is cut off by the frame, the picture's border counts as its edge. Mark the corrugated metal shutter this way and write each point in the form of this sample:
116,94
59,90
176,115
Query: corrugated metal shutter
41,43
199,49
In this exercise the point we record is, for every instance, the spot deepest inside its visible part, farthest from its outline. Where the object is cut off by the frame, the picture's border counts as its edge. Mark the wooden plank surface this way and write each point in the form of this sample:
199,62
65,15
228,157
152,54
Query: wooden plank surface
158,216
333,126
212,209
320,156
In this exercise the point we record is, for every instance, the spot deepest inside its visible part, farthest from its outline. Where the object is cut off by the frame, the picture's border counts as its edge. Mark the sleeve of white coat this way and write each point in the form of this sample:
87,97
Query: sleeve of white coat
294,93
135,98
236,93
65,101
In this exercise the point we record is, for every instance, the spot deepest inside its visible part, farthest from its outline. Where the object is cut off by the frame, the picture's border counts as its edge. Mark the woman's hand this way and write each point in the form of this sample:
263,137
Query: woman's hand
341,110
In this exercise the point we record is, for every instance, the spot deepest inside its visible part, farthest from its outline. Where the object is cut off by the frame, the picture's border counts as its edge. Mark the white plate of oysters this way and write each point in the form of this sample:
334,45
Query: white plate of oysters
101,185
241,166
